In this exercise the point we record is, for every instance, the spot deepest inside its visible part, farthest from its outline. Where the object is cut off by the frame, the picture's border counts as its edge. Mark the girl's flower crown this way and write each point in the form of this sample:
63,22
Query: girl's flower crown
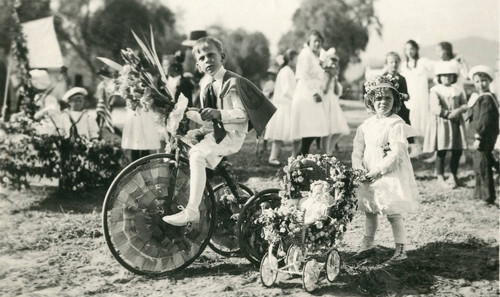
378,82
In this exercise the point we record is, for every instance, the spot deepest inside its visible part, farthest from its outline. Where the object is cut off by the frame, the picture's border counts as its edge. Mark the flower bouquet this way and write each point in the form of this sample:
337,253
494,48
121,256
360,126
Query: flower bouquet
317,203
142,83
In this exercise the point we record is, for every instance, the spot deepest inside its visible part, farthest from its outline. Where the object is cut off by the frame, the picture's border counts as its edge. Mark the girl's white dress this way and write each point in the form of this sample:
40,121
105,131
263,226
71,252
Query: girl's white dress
140,131
308,118
278,127
382,143
417,80
337,123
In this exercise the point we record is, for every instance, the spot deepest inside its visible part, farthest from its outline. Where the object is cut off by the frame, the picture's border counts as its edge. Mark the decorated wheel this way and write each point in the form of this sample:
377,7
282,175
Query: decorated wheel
138,198
268,270
310,275
332,265
252,245
294,258
224,240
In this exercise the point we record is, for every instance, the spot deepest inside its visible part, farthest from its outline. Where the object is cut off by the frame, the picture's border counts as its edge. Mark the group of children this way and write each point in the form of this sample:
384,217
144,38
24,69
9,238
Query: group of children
380,146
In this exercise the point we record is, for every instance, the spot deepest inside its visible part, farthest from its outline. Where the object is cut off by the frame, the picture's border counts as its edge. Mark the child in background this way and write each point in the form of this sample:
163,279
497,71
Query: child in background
332,89
392,62
446,129
278,129
381,147
77,122
484,120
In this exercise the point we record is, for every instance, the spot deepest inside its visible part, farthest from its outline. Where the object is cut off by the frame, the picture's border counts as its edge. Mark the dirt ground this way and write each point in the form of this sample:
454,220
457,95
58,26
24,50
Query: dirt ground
52,244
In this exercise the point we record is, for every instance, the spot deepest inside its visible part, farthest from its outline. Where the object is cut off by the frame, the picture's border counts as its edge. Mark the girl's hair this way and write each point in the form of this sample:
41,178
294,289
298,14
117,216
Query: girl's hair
447,48
392,54
395,106
289,55
453,79
317,34
413,44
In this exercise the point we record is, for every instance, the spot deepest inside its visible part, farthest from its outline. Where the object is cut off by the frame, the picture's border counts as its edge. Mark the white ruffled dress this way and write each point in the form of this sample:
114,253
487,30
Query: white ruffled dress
395,192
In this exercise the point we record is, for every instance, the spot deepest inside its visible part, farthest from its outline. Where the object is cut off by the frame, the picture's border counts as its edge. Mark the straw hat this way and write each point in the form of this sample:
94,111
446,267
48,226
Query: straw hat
40,79
481,69
72,92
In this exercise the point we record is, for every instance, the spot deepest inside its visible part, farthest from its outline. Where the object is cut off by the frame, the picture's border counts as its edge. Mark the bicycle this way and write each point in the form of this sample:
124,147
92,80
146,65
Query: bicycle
158,185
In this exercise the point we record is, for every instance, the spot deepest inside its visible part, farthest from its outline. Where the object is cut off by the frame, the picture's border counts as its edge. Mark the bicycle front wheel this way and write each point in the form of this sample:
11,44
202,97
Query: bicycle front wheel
137,200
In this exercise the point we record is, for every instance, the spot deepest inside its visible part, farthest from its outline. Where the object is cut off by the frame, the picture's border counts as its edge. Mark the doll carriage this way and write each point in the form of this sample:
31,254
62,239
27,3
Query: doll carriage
157,185
308,224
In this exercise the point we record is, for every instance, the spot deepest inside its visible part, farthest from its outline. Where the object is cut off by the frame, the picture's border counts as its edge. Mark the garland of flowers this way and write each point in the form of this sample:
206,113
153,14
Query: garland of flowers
310,182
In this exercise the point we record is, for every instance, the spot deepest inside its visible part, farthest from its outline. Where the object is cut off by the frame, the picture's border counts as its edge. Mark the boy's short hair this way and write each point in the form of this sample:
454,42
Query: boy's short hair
453,79
207,41
392,54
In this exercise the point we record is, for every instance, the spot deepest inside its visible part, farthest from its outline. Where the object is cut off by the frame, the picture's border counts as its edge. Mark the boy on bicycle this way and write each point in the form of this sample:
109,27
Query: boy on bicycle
233,105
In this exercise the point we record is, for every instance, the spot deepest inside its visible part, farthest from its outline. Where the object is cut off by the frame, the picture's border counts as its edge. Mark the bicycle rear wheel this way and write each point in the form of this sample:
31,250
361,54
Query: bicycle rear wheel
252,245
224,240
135,203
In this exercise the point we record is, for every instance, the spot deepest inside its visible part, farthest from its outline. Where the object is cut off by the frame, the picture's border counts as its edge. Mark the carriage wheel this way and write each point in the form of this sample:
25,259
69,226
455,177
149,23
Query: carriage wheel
310,275
332,265
268,270
224,240
252,245
294,258
135,203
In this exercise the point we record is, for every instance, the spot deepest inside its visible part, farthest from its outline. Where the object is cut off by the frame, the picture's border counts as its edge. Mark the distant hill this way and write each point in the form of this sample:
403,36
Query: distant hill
475,50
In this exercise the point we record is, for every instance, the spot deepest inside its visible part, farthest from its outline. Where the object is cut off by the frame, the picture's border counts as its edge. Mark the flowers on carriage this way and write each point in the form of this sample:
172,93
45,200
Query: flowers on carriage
319,215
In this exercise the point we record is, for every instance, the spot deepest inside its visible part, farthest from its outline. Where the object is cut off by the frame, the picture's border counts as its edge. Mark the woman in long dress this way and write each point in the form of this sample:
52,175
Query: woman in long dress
417,71
308,119
278,128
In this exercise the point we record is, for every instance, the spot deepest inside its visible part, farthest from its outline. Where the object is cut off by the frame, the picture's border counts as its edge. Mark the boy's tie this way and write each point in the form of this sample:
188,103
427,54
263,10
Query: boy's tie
211,101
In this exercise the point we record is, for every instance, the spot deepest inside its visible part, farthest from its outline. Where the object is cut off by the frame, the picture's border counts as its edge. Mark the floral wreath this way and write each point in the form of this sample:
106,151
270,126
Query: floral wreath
374,86
312,183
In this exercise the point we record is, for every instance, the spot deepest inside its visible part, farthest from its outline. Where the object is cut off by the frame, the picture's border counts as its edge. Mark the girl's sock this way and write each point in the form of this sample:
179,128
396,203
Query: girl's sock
371,225
398,228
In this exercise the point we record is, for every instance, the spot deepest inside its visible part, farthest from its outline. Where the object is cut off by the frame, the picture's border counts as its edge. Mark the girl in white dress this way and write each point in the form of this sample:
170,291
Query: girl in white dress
278,128
308,119
336,121
417,71
381,147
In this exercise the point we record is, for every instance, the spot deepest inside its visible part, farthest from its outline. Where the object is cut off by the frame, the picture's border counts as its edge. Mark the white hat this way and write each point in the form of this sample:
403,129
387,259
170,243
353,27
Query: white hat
446,67
481,69
72,92
331,53
193,36
40,79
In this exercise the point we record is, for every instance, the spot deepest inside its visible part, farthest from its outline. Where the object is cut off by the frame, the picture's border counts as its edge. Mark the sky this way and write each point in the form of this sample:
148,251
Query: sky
426,21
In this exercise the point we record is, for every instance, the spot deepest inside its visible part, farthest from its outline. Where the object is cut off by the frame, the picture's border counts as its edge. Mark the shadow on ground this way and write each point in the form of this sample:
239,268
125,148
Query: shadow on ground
51,199
473,260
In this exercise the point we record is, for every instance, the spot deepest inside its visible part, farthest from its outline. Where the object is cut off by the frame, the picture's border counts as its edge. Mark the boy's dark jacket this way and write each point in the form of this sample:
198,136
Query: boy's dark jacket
484,120
258,107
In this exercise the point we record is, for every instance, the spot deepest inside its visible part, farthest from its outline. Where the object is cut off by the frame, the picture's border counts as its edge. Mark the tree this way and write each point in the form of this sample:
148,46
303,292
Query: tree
345,25
247,53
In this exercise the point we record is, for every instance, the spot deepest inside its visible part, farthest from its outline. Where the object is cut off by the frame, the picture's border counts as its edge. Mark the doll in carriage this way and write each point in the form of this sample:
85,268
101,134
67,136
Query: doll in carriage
317,203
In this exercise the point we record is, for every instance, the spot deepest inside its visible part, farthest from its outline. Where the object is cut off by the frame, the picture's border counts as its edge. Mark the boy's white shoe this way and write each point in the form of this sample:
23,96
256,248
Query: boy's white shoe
187,215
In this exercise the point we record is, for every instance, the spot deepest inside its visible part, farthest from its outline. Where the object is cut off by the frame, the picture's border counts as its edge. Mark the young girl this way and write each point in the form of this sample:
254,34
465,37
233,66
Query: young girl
381,147
336,121
278,128
446,129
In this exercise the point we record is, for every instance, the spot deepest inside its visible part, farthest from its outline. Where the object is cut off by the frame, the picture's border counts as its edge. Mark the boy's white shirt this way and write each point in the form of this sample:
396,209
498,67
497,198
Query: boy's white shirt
233,113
